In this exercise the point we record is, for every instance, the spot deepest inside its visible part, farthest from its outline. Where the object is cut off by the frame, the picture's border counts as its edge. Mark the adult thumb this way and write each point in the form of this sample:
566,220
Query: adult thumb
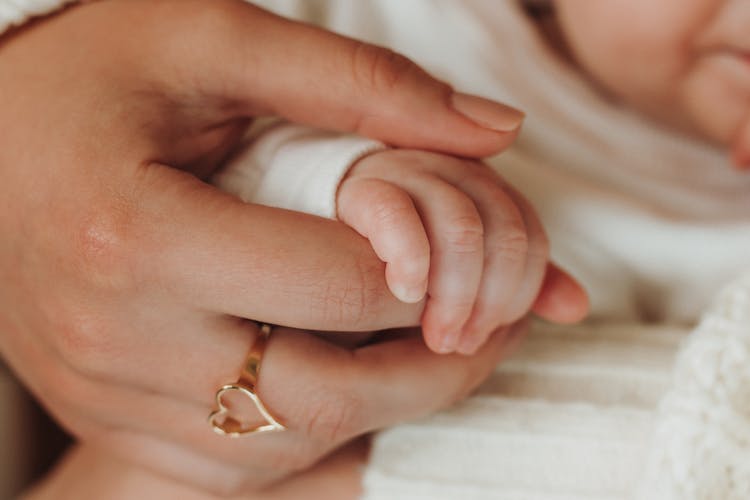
272,65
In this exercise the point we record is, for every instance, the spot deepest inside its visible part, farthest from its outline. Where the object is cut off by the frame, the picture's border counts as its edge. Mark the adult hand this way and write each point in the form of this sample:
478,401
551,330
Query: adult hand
125,278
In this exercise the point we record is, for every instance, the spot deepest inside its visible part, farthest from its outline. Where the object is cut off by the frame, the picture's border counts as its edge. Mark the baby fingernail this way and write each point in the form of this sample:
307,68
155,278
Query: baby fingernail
450,342
488,114
410,295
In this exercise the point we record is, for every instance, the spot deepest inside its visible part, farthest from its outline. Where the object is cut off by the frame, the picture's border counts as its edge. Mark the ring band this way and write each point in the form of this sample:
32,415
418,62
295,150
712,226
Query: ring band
224,424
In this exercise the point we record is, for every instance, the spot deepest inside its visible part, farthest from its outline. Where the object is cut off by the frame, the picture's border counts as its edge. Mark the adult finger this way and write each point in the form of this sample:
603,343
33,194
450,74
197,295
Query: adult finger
380,385
324,394
219,254
561,299
271,65
387,217
168,409
317,389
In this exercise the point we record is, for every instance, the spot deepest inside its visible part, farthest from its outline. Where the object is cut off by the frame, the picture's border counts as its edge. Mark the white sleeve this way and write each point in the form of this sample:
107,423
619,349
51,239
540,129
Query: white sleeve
16,12
293,167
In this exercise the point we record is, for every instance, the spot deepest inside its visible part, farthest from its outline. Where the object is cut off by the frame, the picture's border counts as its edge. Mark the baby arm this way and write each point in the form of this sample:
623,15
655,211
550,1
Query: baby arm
453,231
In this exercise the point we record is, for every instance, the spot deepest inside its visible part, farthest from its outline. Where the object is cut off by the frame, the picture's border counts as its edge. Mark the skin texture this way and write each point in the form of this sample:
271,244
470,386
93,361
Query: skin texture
452,229
126,282
684,62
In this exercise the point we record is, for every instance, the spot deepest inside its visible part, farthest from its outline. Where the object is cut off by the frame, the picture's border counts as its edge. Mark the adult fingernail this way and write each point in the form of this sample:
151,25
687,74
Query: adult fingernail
488,114
410,295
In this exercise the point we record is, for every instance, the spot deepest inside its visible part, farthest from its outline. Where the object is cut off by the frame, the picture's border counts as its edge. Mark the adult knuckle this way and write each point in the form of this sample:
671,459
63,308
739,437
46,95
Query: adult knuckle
379,69
335,418
103,245
355,302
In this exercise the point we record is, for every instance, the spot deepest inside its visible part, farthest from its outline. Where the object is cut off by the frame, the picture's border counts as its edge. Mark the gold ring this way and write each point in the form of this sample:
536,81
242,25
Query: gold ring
221,421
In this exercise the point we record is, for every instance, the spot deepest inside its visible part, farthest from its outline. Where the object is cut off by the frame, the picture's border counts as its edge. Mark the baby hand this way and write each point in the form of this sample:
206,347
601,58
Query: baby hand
452,229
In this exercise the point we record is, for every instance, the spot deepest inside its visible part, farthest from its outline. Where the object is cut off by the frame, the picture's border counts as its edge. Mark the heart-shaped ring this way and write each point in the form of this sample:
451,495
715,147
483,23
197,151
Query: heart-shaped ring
246,385
232,427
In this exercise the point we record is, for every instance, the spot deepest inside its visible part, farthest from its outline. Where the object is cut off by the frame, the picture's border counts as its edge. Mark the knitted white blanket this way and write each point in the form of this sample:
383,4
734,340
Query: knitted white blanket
701,445
592,412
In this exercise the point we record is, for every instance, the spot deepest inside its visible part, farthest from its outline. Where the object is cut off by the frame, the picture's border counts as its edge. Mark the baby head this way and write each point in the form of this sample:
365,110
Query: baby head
685,62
